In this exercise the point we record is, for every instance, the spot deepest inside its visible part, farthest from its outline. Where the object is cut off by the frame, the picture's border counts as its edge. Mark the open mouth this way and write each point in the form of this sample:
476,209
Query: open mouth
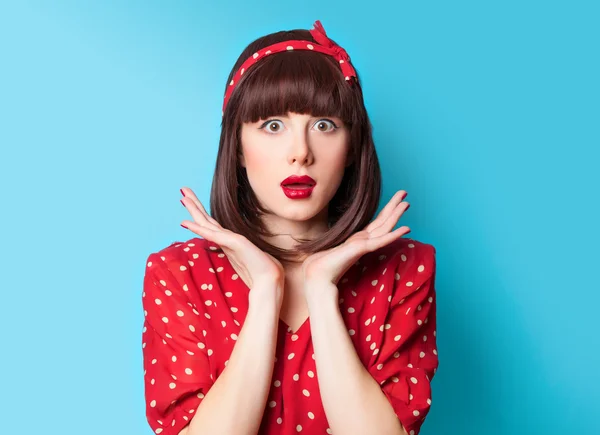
298,186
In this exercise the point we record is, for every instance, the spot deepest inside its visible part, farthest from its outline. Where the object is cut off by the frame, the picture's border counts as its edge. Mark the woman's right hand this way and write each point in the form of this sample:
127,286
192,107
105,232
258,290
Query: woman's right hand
253,265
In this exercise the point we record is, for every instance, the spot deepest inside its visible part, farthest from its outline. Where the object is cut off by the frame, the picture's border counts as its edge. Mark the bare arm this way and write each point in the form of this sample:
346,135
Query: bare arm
352,399
243,387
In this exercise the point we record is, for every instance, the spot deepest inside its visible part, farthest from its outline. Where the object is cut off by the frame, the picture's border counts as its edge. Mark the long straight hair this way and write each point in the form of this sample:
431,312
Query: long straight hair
303,82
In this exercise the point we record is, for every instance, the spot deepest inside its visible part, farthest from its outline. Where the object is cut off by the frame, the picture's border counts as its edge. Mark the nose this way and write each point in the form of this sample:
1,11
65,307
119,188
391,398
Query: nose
300,149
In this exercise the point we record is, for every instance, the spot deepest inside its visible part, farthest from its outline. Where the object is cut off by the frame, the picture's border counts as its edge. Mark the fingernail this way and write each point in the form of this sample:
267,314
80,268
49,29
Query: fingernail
407,207
181,190
184,226
182,203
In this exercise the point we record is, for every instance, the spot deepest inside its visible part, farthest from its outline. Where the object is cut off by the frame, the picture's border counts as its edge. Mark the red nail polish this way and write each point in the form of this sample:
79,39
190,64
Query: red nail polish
181,190
182,203
184,226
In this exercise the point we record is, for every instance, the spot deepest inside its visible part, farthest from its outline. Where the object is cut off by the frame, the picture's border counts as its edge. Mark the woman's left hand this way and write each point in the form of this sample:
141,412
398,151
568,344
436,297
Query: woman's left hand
330,265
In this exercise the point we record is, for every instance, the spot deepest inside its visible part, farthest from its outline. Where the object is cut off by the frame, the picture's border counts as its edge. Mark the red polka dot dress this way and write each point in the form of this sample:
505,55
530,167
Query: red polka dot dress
195,304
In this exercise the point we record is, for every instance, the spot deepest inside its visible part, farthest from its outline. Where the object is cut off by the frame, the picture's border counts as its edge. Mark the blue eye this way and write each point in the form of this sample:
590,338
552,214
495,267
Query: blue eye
268,123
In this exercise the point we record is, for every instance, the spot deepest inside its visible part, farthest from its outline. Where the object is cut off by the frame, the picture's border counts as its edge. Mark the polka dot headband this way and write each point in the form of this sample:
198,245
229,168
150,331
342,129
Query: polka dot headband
323,45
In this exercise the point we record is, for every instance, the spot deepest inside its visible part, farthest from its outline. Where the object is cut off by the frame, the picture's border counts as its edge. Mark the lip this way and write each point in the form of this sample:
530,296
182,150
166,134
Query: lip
299,193
295,179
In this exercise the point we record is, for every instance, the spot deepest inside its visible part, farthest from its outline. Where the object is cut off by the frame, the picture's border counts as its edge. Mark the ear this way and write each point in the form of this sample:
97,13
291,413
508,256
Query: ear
242,160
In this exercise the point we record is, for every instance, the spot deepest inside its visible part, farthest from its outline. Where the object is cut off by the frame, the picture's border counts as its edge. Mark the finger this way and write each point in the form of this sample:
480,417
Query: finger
391,220
217,236
387,210
387,238
199,217
390,206
188,193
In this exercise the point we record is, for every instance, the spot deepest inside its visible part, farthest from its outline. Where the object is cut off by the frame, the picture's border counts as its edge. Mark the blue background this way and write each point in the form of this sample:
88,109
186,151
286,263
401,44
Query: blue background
487,113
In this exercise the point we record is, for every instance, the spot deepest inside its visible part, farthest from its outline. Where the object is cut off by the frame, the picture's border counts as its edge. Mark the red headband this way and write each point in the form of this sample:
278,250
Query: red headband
323,45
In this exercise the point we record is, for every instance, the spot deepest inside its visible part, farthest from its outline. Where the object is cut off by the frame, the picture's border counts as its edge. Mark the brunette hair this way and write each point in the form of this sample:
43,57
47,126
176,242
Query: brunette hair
303,82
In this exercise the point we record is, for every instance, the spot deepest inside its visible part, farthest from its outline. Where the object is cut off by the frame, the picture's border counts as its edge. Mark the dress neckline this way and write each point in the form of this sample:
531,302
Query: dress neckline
300,329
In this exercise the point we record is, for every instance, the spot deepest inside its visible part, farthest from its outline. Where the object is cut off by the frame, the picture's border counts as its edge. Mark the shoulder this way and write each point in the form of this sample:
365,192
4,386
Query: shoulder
403,255
402,267
178,275
181,255
184,265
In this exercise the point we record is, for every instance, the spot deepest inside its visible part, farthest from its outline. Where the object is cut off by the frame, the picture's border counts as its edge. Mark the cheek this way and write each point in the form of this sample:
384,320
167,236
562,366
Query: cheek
259,162
334,158
260,166
255,155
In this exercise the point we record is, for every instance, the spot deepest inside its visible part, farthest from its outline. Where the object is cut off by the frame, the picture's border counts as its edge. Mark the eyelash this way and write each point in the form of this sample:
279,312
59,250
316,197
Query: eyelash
268,121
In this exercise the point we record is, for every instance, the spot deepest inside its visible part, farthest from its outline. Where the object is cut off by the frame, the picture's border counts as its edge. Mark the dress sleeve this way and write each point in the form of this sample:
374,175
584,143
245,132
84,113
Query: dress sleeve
176,365
408,358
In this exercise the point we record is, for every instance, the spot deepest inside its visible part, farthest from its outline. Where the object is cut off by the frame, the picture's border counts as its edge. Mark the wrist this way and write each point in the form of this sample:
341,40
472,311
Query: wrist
266,294
318,292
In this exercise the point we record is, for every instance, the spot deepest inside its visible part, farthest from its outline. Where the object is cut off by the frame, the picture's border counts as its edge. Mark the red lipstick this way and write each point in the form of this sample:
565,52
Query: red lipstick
298,187
295,179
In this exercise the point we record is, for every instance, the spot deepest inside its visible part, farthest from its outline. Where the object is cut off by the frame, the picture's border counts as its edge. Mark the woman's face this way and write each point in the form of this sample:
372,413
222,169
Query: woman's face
277,147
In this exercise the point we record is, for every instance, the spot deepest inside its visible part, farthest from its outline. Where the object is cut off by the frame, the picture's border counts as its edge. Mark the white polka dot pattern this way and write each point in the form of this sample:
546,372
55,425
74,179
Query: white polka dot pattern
194,315
177,367
407,359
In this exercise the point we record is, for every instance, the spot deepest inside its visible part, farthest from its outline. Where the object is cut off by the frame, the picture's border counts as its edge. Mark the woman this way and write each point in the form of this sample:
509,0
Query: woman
292,312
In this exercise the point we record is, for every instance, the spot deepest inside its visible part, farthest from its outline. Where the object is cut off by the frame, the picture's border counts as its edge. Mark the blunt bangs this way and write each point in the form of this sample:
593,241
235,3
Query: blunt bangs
302,82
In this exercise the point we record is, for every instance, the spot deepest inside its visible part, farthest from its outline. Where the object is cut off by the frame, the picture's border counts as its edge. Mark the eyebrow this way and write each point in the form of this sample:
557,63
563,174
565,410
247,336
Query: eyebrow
312,116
